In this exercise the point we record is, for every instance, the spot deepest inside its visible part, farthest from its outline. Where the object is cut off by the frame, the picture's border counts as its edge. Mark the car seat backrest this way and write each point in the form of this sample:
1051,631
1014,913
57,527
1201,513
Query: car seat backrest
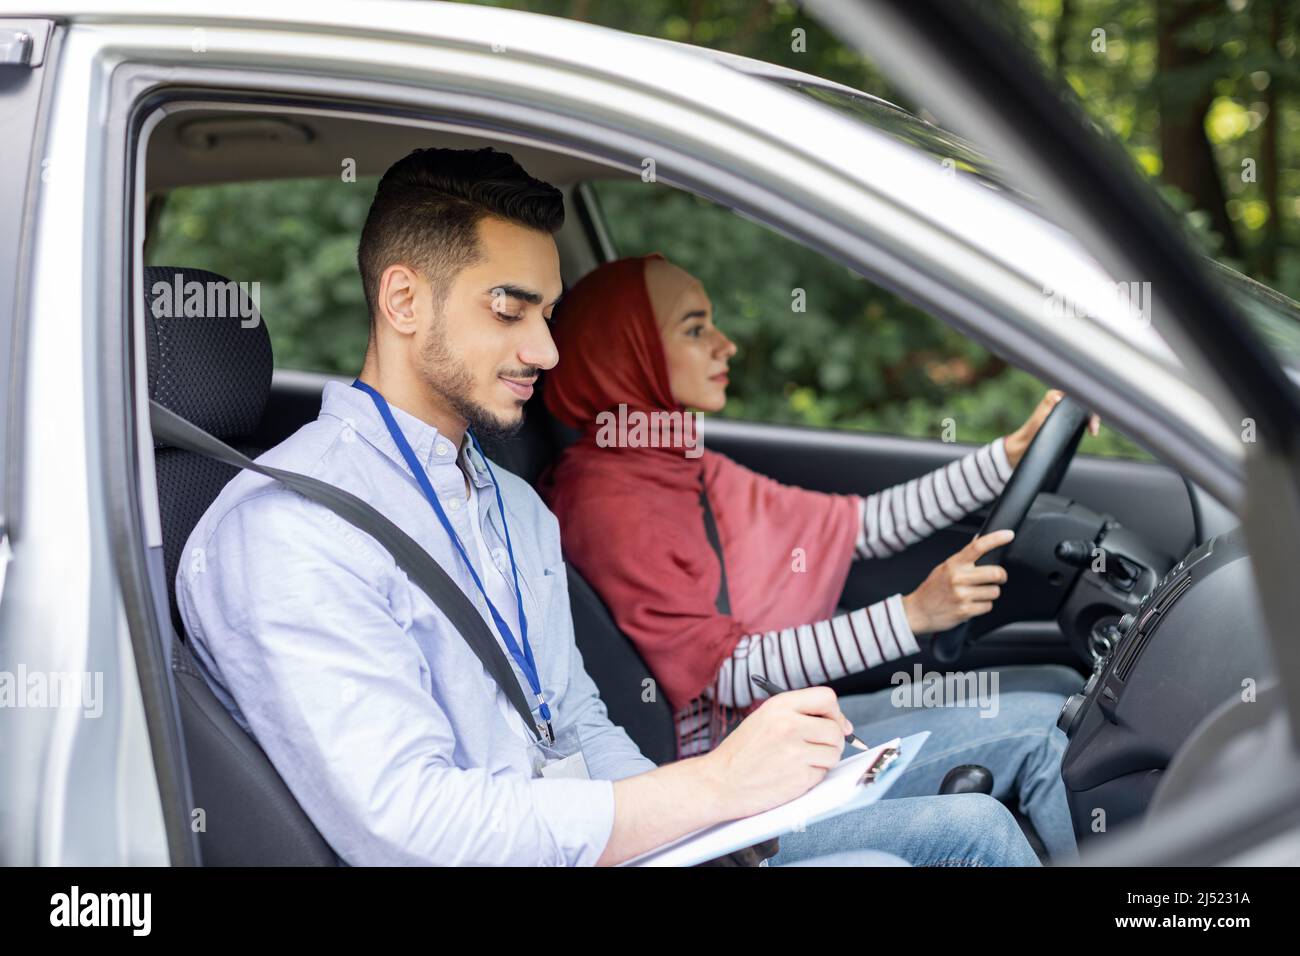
212,365
621,675
250,818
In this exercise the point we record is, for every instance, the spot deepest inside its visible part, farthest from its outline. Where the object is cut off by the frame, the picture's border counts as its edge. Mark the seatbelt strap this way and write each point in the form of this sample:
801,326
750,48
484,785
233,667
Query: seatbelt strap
723,601
419,565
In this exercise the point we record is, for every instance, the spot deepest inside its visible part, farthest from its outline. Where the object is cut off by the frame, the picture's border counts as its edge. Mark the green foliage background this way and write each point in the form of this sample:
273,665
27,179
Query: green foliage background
1191,88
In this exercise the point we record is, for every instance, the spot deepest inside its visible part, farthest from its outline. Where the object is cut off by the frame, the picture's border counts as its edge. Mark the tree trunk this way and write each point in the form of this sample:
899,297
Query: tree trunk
1060,36
1189,161
1270,155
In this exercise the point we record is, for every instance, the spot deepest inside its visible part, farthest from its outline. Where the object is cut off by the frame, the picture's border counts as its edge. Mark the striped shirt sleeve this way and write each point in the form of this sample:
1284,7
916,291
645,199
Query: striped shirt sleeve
816,653
904,514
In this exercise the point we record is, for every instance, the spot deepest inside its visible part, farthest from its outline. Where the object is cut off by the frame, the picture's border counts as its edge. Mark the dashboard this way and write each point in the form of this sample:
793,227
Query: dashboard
1195,639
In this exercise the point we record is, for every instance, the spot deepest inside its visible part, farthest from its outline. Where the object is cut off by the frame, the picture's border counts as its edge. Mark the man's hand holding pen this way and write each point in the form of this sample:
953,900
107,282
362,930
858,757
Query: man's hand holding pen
781,750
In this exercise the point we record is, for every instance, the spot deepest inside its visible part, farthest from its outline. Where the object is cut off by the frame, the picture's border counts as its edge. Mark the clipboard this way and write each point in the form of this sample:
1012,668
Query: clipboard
856,781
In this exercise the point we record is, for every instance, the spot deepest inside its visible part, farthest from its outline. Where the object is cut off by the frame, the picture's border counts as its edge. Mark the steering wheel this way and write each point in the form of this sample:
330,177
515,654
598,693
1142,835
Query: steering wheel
1040,469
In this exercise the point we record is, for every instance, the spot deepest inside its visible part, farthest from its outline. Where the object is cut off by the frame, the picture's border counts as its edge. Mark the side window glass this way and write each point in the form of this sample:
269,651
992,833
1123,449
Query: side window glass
819,345
297,239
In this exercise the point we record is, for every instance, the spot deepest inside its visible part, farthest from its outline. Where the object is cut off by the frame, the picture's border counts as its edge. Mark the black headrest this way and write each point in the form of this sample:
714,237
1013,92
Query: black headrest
209,351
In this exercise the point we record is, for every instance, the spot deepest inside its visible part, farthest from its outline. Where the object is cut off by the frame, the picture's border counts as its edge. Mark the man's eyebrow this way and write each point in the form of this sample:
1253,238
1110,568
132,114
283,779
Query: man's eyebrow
520,293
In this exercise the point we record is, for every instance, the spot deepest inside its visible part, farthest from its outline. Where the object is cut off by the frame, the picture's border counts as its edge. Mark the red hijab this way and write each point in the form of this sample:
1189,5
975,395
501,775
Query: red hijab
630,517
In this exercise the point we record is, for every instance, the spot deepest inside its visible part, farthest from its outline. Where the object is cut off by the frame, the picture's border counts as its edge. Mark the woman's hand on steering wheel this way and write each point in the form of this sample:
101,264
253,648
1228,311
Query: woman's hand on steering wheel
1018,441
958,589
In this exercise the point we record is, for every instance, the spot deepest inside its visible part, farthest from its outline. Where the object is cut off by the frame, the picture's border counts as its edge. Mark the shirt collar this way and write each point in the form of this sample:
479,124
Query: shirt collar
357,411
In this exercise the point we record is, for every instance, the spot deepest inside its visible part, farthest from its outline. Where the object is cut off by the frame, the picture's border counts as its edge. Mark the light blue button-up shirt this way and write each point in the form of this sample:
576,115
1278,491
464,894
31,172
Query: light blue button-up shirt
381,720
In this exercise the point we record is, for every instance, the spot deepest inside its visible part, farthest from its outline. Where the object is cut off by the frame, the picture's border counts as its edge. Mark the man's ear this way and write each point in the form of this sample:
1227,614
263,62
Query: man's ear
398,289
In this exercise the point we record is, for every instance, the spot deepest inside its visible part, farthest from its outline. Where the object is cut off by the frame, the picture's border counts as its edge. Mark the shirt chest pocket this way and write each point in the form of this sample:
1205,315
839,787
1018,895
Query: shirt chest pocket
546,602
539,590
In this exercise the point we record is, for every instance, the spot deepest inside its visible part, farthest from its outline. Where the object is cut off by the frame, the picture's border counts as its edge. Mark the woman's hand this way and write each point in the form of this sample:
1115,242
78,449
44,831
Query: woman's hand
1018,441
958,589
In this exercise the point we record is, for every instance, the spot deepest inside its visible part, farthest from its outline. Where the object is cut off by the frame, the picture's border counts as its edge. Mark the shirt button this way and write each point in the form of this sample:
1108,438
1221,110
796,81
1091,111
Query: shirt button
454,504
441,448
499,556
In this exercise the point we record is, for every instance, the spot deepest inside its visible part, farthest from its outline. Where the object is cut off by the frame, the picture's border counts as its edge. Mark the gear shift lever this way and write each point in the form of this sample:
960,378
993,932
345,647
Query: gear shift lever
967,778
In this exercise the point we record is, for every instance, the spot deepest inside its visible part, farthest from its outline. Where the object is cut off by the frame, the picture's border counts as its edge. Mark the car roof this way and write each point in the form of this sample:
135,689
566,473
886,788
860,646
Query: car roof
224,144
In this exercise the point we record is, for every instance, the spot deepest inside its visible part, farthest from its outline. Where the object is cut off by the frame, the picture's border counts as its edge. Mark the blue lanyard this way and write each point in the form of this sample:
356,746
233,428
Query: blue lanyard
523,658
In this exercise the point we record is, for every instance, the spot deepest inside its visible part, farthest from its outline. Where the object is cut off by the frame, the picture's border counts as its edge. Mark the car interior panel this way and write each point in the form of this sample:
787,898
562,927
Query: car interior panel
1065,611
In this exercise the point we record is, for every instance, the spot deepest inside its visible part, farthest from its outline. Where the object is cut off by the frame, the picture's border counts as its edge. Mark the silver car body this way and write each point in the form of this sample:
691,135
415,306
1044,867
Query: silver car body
80,790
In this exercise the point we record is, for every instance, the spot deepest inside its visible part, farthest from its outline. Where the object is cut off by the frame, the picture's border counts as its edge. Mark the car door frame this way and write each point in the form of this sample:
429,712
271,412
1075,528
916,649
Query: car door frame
959,62
767,176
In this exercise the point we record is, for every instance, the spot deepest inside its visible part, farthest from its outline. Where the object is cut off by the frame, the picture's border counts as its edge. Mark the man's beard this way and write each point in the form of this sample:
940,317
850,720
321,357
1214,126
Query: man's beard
452,382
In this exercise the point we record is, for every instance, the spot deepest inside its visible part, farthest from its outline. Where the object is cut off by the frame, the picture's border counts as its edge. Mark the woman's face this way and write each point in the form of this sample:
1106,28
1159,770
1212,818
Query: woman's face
695,349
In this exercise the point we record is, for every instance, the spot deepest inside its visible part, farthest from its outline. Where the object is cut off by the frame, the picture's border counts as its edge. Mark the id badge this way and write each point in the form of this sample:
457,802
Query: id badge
563,759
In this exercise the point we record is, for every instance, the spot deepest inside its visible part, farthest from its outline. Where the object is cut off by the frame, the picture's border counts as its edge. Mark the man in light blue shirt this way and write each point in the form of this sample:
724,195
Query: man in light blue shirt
389,731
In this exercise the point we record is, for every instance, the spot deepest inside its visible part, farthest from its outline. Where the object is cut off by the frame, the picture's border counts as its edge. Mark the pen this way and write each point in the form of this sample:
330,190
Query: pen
770,687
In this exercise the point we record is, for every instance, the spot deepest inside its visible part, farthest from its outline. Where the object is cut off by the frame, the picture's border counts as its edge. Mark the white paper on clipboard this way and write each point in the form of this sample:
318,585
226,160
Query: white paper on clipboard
839,791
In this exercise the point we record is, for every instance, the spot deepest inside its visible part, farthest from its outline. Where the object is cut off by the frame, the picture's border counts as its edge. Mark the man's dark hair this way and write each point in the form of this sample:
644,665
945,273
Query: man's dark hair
426,211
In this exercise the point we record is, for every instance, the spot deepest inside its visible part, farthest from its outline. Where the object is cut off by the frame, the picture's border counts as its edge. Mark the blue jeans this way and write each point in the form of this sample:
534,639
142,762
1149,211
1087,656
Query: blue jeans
966,829
1019,744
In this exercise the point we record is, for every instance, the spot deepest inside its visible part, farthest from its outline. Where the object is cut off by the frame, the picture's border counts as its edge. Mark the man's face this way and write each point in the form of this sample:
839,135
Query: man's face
481,354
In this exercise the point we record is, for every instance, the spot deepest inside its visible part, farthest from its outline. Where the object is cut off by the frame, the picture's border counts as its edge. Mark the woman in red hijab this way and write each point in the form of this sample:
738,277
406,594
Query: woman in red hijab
637,349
